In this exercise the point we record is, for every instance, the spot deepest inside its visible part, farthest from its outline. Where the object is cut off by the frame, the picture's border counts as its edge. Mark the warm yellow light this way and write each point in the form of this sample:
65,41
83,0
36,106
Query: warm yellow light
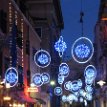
6,98
52,83
101,82
7,85
32,89
104,18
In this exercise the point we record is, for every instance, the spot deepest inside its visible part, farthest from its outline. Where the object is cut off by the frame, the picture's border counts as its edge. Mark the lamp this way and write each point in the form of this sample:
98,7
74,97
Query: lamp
101,83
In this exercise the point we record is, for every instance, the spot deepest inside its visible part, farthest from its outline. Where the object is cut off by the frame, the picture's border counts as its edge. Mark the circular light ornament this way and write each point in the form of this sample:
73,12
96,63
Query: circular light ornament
58,91
60,79
45,77
74,86
11,76
79,82
37,79
89,89
88,96
67,85
90,72
42,58
89,81
82,50
81,99
60,46
82,92
64,98
64,69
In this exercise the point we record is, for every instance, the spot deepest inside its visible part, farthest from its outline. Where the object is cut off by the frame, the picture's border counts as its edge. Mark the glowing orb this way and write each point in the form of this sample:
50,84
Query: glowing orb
60,79
11,76
64,98
89,89
37,79
64,69
60,46
42,58
82,50
45,77
90,72
58,91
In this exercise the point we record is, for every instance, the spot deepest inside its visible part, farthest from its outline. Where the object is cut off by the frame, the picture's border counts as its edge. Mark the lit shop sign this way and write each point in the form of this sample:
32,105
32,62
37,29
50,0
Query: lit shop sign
32,89
11,76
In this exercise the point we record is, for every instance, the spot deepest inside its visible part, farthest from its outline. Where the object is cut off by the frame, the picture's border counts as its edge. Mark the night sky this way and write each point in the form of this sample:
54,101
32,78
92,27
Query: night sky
71,16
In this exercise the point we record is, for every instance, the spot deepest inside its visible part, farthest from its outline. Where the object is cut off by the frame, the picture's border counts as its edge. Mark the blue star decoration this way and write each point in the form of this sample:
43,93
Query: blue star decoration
60,46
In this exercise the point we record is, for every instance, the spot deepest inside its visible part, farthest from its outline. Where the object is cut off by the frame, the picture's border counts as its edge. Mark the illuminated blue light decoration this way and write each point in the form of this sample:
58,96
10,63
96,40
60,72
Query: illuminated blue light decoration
58,91
37,80
82,50
90,72
60,79
89,81
64,69
72,97
88,96
67,85
79,82
64,98
42,58
11,76
60,46
45,77
74,86
89,89
82,92
85,103
81,99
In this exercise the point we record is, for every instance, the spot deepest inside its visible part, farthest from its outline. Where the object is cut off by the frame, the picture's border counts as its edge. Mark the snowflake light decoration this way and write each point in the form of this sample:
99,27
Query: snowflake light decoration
58,91
82,50
60,46
11,76
64,69
42,58
37,80
45,77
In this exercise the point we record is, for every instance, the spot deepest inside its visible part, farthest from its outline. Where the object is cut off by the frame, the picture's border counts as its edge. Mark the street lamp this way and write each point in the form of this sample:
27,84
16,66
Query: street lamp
52,83
101,82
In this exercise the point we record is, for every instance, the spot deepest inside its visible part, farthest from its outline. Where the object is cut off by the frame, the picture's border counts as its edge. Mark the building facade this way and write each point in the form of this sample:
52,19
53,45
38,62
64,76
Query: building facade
38,24
100,58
